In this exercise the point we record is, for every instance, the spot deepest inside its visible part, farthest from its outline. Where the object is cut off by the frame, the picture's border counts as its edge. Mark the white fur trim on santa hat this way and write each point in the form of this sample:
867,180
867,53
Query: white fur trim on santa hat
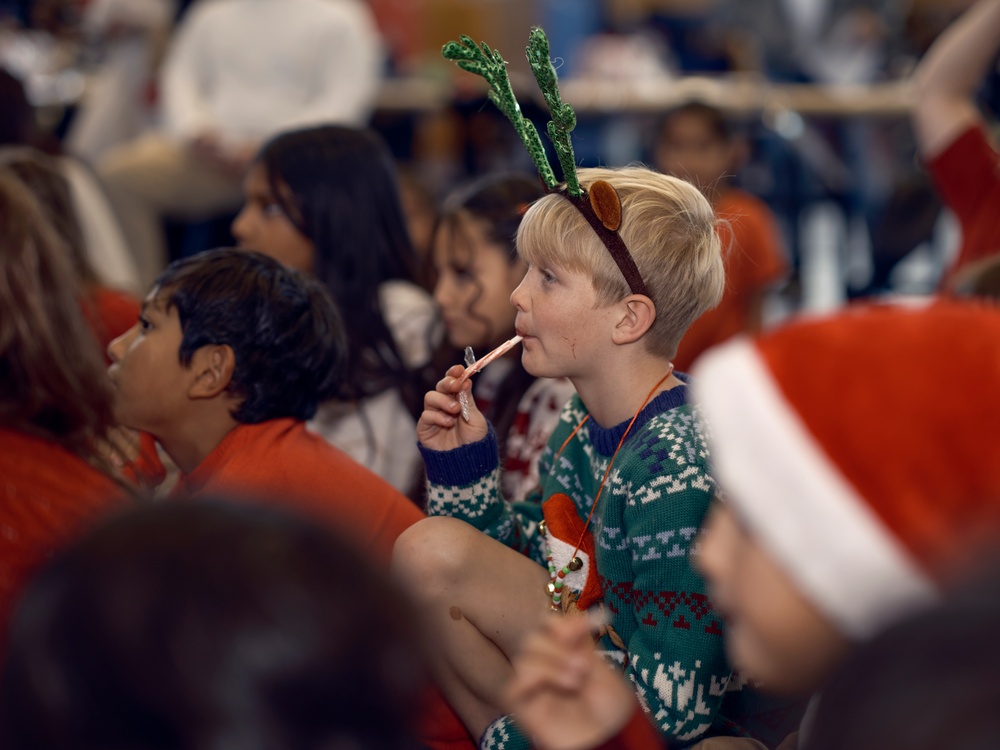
796,501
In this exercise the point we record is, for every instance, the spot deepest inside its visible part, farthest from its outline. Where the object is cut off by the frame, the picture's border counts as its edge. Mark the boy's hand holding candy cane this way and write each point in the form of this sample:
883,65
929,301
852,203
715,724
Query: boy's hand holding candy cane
443,425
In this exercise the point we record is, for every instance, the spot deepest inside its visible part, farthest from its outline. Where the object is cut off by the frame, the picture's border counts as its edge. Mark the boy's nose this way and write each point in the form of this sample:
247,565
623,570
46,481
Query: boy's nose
518,297
118,345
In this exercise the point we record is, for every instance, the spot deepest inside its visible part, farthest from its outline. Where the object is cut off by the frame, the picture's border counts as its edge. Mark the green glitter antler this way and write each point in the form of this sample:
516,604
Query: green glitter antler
563,117
483,61
601,206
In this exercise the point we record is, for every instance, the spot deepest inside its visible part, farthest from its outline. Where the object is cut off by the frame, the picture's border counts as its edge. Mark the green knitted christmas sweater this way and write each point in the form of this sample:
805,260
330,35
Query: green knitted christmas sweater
644,528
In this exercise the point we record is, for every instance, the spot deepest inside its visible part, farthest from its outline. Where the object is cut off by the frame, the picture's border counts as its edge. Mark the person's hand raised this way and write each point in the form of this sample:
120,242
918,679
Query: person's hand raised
441,426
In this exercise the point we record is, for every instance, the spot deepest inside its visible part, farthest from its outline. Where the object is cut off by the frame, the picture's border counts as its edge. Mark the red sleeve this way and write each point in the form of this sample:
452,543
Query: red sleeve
439,727
967,176
638,734
281,461
965,172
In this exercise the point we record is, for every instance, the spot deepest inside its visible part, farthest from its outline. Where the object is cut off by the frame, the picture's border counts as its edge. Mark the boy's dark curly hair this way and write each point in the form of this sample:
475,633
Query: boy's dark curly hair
284,329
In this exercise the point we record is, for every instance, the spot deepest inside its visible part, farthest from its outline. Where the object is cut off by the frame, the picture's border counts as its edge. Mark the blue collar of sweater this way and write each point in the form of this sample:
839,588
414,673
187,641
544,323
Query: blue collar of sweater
605,439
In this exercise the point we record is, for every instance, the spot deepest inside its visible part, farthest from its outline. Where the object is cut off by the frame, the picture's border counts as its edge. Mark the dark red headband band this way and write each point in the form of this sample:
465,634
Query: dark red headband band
610,237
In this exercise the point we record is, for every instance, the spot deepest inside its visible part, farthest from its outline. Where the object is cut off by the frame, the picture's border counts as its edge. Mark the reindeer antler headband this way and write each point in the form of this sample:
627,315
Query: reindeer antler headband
601,206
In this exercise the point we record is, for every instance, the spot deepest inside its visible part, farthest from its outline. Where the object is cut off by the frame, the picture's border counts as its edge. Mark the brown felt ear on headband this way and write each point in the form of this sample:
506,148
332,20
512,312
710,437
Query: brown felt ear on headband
606,204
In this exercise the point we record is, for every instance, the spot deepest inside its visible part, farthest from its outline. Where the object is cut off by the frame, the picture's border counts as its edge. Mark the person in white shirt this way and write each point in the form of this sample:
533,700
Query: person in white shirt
130,36
237,72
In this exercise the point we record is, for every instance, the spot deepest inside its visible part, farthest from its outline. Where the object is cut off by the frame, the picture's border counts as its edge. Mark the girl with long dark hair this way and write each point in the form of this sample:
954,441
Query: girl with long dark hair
325,200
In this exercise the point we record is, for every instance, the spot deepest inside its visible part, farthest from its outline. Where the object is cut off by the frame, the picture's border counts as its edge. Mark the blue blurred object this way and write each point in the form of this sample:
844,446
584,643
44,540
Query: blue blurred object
567,24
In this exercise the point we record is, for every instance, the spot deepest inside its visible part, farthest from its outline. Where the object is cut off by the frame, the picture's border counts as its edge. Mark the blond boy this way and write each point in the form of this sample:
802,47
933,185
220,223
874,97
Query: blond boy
629,451
860,483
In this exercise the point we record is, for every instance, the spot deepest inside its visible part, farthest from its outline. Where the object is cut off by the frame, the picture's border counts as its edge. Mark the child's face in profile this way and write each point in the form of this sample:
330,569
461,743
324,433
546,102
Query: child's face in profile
263,226
150,381
562,324
475,280
687,148
773,634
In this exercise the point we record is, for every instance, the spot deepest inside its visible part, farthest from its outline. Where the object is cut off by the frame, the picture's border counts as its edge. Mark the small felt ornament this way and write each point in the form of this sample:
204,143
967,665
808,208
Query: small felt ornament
566,517
563,528
606,204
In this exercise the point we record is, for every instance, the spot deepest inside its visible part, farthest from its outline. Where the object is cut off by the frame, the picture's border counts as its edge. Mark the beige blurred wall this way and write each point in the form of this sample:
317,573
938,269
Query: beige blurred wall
419,28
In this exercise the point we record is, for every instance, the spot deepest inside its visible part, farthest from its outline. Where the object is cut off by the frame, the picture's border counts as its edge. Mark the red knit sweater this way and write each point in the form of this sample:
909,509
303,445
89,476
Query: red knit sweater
279,461
48,496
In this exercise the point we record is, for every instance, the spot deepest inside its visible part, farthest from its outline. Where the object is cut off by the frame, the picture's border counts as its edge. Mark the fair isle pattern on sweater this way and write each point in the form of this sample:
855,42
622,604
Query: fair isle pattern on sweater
653,504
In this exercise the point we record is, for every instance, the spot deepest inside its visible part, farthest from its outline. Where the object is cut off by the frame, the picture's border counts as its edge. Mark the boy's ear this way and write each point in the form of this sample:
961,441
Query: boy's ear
638,316
213,366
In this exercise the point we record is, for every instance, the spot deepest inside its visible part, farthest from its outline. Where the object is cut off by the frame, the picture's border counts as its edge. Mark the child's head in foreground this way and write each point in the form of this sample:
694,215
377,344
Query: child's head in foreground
860,478
668,228
927,682
233,325
41,174
211,625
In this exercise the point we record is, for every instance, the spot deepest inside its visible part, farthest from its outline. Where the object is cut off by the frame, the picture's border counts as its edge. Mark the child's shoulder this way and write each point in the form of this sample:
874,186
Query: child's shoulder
410,315
666,462
672,439
672,413
681,430
684,420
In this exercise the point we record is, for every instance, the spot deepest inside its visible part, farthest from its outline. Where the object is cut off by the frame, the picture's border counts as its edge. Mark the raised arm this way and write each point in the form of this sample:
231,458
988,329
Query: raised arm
947,77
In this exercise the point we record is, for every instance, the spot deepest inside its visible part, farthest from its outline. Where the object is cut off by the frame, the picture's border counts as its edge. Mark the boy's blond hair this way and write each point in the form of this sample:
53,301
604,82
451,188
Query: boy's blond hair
668,227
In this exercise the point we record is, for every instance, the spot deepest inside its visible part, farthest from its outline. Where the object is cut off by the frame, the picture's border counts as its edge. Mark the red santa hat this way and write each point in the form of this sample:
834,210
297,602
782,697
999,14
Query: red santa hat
862,450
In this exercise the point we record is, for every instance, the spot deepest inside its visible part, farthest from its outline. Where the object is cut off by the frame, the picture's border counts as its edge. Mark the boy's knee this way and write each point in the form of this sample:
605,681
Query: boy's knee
434,553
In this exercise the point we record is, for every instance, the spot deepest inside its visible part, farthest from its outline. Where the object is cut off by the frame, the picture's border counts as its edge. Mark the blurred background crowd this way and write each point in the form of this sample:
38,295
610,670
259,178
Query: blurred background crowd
814,92
847,149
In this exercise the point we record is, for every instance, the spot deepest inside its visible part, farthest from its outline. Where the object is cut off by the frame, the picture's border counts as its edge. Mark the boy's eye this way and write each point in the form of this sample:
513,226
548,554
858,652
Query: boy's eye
547,276
144,323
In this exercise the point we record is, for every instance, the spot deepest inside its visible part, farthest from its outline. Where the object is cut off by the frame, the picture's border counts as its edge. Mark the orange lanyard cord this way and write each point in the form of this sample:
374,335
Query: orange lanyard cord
614,455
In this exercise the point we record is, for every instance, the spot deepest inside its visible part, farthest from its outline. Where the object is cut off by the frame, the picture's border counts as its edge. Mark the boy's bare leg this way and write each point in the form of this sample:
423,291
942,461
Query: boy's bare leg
479,599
